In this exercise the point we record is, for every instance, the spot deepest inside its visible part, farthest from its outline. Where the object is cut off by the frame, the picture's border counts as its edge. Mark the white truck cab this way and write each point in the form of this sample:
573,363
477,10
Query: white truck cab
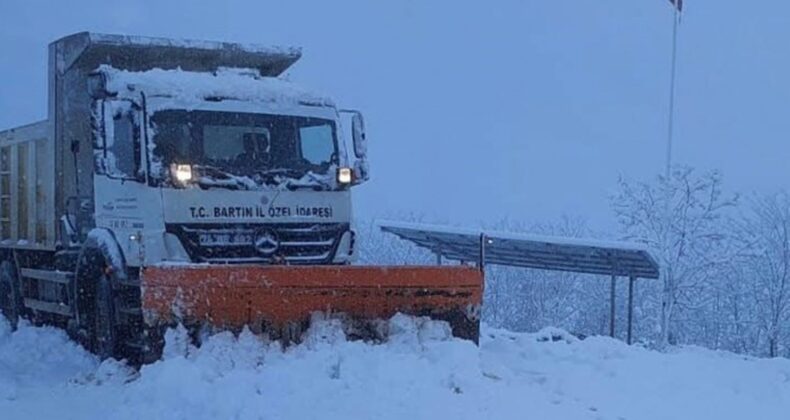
225,166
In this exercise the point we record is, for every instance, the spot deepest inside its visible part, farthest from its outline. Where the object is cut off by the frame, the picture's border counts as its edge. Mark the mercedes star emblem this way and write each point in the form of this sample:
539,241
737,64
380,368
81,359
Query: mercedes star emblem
266,242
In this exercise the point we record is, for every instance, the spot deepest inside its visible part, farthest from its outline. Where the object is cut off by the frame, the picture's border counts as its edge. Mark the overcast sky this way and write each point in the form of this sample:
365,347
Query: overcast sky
483,110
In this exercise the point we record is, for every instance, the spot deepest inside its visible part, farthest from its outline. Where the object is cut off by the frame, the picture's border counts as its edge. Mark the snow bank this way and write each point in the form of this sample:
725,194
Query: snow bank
421,373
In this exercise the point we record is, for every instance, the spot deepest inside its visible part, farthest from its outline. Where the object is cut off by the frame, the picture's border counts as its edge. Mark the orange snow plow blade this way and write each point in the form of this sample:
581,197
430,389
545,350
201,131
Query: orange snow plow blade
275,299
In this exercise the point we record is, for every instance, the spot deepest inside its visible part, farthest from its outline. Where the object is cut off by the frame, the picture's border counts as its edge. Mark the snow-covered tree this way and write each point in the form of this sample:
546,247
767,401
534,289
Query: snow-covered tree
681,219
765,260
376,247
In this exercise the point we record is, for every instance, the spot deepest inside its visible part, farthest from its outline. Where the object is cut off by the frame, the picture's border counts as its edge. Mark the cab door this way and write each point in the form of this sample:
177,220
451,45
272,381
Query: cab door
125,203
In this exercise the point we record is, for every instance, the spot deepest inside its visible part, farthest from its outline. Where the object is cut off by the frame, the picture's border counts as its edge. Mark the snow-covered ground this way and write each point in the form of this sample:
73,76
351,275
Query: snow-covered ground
420,373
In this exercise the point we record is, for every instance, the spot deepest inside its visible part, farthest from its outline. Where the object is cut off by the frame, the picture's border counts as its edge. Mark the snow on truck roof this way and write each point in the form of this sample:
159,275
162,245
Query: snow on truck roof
224,83
137,53
530,251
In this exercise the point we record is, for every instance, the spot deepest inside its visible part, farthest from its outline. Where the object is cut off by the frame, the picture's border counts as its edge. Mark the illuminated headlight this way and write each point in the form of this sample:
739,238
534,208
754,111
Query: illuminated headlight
344,175
182,173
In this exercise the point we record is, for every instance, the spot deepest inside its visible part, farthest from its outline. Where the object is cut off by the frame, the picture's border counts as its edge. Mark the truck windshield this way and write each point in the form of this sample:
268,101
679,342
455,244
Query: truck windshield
243,144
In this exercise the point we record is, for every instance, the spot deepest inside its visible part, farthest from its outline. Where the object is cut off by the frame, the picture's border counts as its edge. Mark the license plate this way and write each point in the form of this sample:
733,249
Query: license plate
225,239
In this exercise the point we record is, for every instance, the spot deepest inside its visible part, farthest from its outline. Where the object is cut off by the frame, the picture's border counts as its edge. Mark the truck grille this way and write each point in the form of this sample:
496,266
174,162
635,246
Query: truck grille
236,244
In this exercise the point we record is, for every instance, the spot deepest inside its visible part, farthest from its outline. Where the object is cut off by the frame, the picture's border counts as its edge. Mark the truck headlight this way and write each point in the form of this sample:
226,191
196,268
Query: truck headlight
182,173
344,176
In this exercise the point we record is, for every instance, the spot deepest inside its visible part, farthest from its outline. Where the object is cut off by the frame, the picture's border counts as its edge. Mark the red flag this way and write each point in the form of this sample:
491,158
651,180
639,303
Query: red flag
678,4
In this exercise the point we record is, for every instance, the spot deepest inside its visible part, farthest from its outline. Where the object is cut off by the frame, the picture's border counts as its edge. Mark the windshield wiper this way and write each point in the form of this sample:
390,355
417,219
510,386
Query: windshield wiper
294,179
282,171
223,176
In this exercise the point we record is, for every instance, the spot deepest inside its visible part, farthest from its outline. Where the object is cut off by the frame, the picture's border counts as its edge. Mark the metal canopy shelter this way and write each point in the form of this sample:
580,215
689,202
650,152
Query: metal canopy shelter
609,258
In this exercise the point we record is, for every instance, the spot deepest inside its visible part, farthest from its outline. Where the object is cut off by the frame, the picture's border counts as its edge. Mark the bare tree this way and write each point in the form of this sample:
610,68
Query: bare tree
680,219
765,235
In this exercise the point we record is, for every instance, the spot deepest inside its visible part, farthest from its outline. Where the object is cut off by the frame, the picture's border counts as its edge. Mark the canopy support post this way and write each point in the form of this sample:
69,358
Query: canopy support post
611,305
631,281
482,262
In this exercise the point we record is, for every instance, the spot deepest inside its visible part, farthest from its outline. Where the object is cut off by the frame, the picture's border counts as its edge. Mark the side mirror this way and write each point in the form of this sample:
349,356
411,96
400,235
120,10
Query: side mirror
361,168
358,134
361,171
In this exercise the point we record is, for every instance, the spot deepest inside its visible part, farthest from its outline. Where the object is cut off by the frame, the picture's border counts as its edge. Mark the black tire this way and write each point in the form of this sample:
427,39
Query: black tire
10,295
104,331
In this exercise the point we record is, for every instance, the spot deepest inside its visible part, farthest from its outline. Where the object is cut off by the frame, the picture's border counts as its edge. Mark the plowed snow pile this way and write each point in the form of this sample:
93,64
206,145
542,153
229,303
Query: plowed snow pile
420,373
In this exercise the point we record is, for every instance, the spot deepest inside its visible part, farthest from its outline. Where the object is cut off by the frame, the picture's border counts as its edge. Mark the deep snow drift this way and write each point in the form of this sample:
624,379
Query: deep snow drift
420,373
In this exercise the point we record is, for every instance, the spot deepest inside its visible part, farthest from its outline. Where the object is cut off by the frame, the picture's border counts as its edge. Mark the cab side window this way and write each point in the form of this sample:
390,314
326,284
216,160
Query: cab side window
121,150
117,147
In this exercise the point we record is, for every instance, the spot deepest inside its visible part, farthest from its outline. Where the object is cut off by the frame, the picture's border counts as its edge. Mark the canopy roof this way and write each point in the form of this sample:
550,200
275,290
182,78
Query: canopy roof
530,251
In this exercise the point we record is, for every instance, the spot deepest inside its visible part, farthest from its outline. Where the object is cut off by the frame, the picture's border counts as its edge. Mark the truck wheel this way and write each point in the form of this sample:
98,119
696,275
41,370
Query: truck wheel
10,296
104,325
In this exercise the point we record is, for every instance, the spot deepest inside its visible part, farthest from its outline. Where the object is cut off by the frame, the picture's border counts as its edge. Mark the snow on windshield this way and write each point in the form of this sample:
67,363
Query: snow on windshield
228,147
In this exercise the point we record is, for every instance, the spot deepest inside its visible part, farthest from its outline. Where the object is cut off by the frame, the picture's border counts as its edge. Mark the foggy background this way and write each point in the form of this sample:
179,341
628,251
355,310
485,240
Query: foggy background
479,111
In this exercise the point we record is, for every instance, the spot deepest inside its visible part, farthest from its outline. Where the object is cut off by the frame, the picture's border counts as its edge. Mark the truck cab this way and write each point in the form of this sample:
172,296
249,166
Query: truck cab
197,152
224,167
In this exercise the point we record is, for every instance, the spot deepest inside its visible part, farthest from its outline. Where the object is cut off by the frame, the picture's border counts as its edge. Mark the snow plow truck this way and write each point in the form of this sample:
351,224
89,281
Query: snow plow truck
188,182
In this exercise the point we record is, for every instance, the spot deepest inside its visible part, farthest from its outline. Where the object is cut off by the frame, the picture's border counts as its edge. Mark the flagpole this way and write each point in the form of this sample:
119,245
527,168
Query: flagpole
671,122
665,240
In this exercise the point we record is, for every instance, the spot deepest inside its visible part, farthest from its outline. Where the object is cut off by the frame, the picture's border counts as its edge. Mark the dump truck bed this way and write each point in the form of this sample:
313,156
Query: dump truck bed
27,185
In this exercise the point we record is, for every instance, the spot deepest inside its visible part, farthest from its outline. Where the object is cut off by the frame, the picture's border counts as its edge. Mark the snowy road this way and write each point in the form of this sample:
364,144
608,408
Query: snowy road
419,374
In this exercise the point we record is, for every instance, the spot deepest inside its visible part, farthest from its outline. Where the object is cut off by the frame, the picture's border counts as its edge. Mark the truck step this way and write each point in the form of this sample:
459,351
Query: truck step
66,260
60,277
130,282
131,311
136,344
51,307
